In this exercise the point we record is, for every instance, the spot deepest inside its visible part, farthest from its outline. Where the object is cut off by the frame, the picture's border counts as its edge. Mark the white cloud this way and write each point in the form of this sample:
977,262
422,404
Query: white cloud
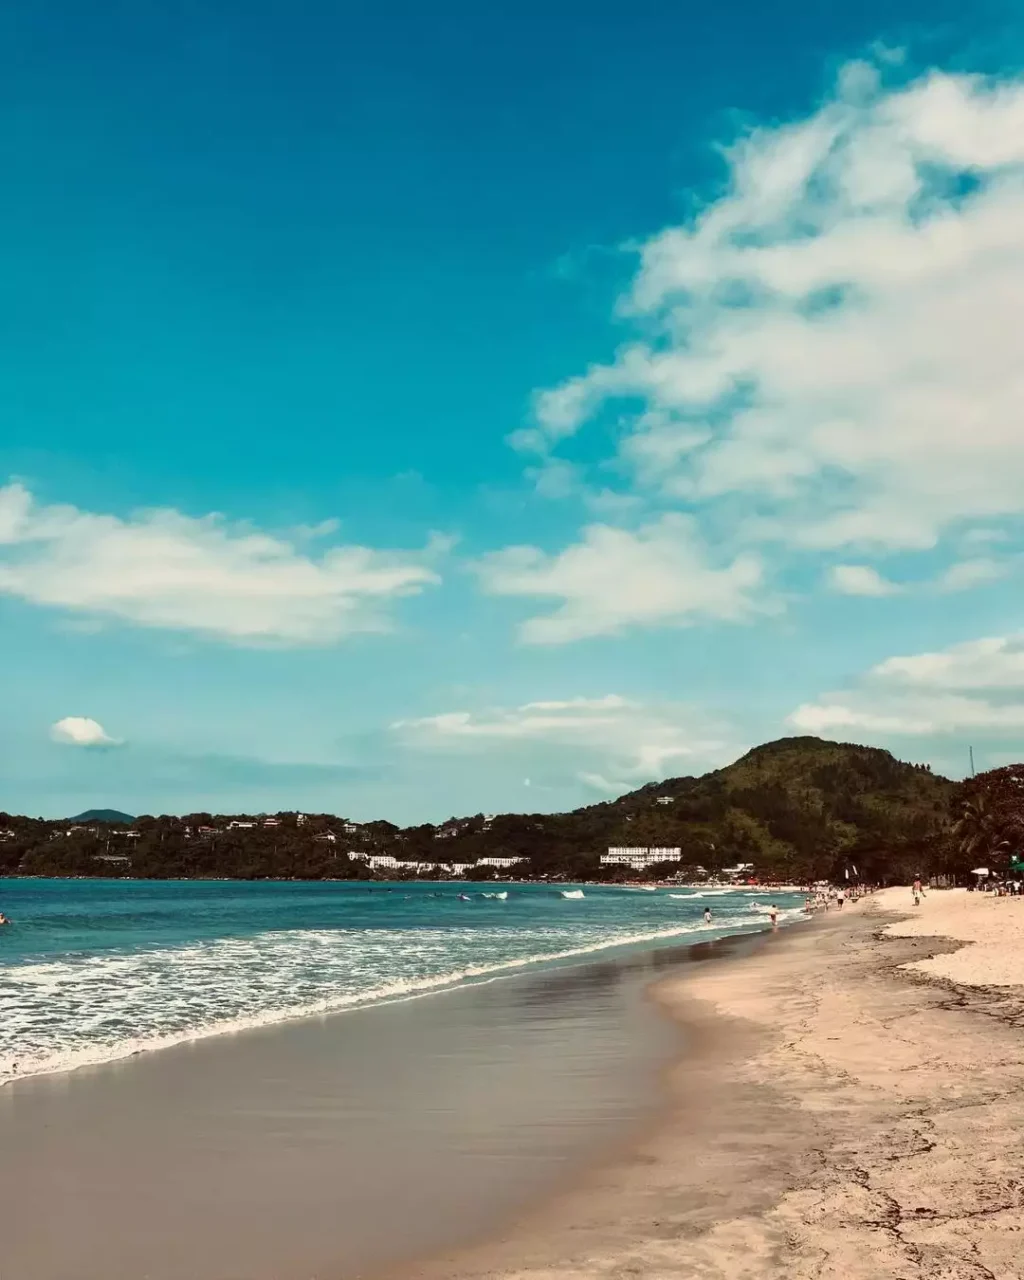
160,568
860,580
837,338
994,663
80,731
614,578
978,685
966,574
612,742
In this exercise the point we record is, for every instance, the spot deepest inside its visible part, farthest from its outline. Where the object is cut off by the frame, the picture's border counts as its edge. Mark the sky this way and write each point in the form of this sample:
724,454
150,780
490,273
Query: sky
413,410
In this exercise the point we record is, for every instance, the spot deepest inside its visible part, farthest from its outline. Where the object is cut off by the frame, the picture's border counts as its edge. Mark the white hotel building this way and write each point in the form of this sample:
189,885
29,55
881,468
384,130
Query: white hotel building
639,858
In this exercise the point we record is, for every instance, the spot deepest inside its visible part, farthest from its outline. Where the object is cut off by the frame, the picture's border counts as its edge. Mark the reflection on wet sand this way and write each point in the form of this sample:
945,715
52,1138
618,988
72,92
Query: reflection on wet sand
334,1145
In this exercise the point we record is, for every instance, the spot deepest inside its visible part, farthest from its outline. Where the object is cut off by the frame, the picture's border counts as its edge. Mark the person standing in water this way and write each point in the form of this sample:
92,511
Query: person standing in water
773,915
707,915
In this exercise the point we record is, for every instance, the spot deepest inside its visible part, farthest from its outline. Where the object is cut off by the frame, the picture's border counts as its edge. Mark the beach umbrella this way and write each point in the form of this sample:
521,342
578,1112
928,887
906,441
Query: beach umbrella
980,871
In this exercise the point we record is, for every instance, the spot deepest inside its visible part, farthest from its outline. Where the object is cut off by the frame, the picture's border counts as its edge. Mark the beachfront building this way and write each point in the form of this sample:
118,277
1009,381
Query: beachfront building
741,871
499,862
639,858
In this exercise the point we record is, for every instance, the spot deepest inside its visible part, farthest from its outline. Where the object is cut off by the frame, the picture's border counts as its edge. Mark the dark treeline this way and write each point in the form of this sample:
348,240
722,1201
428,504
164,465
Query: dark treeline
799,809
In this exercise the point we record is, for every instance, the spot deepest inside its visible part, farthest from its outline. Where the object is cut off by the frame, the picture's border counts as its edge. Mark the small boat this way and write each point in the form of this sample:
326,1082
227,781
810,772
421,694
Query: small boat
464,897
572,893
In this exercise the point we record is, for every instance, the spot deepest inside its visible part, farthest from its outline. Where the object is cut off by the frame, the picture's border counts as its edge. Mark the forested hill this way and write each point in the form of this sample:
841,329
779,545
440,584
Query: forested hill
797,803
799,807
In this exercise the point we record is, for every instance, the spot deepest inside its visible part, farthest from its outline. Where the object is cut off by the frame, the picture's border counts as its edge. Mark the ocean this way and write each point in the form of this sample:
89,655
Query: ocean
96,970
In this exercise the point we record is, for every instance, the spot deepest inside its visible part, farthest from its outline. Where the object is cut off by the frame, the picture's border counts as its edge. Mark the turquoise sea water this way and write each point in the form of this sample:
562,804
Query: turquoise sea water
94,970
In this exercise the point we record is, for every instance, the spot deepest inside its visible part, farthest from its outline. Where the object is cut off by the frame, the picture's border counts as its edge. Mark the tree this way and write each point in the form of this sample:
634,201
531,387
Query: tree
979,830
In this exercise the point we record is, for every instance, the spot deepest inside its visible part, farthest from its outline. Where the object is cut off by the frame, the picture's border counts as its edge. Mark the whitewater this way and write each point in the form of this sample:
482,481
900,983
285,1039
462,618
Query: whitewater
93,971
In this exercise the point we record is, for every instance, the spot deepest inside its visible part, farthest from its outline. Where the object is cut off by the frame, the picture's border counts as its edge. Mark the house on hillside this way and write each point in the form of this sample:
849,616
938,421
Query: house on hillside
639,858
741,871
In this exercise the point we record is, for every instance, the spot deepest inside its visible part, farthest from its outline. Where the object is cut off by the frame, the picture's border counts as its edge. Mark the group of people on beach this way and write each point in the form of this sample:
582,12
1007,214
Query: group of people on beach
1001,888
825,898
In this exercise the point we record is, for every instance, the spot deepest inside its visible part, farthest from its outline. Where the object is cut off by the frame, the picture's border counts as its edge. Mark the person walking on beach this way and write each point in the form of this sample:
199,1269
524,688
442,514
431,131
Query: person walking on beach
840,899
707,915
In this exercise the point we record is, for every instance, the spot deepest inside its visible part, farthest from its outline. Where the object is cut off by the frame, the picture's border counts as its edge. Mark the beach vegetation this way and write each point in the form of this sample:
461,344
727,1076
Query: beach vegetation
798,809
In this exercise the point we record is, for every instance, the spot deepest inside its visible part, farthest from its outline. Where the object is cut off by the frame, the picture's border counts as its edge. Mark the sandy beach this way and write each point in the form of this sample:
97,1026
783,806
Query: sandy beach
324,1148
850,1107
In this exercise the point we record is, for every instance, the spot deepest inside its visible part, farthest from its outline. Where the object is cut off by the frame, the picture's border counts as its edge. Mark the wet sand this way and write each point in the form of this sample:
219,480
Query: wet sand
322,1150
839,1116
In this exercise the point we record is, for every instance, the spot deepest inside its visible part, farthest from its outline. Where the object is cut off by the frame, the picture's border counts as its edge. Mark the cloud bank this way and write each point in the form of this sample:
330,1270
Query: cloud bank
827,360
976,686
160,568
620,742
614,578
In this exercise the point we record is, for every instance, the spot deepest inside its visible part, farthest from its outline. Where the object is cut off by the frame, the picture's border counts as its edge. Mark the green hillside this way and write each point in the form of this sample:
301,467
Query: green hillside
796,805
800,809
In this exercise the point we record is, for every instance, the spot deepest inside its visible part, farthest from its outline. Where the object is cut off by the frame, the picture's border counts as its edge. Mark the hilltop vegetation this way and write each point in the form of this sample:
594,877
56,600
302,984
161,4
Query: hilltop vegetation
103,815
799,808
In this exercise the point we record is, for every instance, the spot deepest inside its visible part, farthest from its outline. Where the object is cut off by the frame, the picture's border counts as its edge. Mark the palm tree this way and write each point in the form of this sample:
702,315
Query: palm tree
978,830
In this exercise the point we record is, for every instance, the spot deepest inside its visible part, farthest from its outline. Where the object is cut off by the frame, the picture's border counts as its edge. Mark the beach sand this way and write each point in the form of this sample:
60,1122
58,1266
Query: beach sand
317,1149
850,1107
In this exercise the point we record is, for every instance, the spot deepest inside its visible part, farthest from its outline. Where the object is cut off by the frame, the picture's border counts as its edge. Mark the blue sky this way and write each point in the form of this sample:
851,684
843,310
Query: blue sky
407,411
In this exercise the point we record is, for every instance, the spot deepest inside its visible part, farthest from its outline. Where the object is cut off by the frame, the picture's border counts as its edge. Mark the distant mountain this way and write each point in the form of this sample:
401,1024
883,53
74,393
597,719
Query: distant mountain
102,815
797,809
793,804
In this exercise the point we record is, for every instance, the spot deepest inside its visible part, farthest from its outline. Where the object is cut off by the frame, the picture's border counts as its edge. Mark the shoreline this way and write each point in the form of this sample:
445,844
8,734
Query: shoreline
400,990
837,1114
281,1154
